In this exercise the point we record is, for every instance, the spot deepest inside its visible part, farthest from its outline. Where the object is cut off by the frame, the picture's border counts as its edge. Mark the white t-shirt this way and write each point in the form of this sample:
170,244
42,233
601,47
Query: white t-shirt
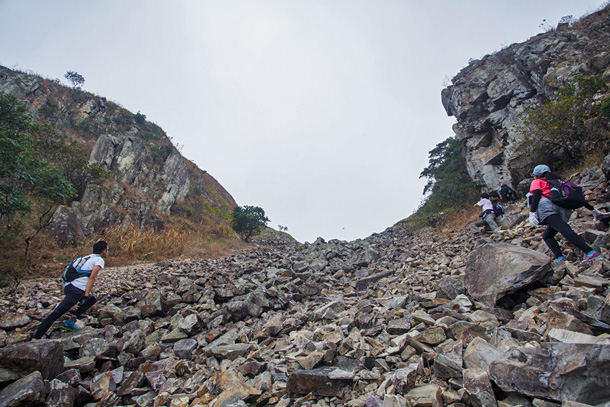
81,282
485,204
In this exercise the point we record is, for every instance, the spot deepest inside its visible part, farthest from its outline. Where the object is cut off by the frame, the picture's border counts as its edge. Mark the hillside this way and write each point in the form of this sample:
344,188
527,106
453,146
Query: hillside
146,182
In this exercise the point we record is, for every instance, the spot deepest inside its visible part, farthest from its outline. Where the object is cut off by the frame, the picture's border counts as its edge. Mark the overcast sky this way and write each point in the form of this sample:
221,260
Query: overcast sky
322,112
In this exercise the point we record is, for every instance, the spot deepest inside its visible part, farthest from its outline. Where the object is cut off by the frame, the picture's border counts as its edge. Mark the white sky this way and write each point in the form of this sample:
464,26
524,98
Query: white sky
322,112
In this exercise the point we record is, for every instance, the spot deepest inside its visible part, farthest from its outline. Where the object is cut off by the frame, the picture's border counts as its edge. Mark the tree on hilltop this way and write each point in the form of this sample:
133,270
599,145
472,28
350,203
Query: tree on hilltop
76,79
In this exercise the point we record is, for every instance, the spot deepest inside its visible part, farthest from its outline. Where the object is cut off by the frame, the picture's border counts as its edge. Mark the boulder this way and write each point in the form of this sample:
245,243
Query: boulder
28,391
45,356
318,381
556,371
496,269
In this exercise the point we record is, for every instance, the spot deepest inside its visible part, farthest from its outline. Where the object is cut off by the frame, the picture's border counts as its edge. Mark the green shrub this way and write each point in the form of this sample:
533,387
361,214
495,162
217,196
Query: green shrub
449,185
563,130
248,221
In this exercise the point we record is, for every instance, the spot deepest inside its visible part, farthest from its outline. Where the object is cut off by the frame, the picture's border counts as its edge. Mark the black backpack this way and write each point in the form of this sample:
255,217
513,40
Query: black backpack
566,194
73,271
498,209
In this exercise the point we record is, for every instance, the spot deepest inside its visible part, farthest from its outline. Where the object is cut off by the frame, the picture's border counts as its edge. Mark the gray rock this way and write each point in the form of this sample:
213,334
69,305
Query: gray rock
184,348
317,381
28,391
556,371
448,363
451,287
404,379
399,326
496,269
61,394
479,354
9,322
429,395
45,356
478,387
191,324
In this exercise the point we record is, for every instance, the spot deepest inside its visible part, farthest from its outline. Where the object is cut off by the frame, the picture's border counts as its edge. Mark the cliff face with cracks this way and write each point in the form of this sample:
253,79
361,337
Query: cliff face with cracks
148,177
488,96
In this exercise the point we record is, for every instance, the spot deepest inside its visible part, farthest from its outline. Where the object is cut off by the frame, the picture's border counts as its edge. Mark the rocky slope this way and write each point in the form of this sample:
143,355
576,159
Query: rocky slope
487,96
430,318
149,177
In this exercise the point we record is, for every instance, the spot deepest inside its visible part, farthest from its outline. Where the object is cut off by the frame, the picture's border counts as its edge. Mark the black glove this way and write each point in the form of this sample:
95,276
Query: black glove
82,300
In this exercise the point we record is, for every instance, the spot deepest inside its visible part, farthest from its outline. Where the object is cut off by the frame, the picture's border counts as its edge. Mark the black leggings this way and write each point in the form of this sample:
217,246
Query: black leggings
73,296
556,224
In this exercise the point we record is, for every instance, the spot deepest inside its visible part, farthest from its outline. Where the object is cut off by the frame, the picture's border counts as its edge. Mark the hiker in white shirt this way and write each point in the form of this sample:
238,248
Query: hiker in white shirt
487,215
78,291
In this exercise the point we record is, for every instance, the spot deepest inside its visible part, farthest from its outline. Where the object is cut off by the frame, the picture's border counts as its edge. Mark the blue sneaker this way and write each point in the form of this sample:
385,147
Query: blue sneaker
69,326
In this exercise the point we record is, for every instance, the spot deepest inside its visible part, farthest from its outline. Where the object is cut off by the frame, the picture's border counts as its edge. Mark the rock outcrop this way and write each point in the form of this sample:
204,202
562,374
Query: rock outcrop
391,320
148,175
488,95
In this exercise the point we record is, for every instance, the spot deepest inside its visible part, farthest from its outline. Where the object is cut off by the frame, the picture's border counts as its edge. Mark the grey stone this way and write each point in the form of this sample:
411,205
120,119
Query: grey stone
28,391
556,371
478,387
317,381
43,355
184,348
496,269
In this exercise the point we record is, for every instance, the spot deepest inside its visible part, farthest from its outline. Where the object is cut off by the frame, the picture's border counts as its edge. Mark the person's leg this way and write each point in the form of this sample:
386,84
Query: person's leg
566,231
490,219
73,294
84,306
549,238
475,226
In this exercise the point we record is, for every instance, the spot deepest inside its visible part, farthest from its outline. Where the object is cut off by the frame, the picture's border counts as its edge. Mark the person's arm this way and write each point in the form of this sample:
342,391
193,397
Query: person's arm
92,278
536,195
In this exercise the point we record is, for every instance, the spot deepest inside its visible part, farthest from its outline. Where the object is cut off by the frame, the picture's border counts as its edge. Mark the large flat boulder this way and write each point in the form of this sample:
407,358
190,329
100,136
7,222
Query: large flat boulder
497,269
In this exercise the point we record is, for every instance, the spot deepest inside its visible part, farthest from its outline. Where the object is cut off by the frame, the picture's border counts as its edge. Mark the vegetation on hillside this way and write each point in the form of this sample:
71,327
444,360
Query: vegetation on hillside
449,188
248,221
563,130
46,163
39,170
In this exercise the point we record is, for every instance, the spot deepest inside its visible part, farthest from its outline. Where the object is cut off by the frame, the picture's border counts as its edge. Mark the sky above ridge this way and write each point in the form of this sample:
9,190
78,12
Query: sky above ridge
322,112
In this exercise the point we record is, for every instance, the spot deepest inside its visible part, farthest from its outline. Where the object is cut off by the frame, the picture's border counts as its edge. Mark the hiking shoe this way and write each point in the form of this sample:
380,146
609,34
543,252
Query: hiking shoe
560,259
69,326
591,255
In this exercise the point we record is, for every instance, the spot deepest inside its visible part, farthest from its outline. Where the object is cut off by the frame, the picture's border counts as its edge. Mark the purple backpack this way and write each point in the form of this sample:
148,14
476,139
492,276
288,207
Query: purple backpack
566,194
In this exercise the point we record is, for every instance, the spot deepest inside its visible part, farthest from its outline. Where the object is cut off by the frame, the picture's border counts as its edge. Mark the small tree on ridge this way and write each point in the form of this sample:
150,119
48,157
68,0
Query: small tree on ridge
76,79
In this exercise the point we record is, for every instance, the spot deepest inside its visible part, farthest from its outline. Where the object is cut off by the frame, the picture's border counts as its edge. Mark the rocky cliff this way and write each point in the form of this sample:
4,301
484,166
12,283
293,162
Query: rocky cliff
149,178
488,95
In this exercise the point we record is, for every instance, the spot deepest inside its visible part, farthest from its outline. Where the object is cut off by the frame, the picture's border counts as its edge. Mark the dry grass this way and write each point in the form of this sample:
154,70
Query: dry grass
592,160
134,244
131,245
458,219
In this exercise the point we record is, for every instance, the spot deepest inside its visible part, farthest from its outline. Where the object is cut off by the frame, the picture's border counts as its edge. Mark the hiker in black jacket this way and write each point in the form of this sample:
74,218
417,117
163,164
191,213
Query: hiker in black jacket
507,194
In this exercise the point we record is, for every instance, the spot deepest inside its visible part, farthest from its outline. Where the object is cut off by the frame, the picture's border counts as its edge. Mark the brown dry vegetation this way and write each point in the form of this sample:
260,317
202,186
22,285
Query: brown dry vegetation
210,239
